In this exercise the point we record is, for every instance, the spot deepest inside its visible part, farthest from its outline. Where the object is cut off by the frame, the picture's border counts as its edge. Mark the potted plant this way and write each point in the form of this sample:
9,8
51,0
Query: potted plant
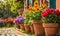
21,22
37,23
30,23
31,27
27,27
26,23
16,23
35,15
50,18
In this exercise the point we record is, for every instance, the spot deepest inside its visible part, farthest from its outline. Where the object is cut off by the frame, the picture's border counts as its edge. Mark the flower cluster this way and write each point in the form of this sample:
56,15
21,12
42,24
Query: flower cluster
51,15
36,6
7,20
19,20
34,11
57,12
49,11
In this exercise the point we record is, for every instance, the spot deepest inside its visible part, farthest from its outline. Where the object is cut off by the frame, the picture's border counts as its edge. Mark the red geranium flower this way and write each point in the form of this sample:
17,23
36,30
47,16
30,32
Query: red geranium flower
44,14
49,10
57,12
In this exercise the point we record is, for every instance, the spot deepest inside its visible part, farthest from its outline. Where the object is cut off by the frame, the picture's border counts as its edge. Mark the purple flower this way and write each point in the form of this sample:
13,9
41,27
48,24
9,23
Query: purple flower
20,17
16,21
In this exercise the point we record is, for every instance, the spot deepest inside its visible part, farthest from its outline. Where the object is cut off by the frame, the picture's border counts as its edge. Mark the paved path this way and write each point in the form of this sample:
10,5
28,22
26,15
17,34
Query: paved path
11,32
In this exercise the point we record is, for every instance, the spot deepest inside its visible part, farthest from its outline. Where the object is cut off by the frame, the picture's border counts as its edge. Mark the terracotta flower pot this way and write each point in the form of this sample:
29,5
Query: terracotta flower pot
38,28
22,26
32,29
51,28
27,28
17,26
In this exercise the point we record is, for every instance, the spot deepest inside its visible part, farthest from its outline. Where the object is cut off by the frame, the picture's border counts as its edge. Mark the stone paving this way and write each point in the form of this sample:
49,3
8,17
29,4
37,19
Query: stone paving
14,32
11,32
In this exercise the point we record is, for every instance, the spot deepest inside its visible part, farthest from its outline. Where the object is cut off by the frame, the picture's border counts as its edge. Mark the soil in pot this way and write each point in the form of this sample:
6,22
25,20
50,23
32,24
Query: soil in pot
32,29
22,26
38,28
51,29
27,28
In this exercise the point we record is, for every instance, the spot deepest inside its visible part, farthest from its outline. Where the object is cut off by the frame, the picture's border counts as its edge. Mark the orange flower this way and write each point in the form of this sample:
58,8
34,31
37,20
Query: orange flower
43,5
34,8
30,8
35,3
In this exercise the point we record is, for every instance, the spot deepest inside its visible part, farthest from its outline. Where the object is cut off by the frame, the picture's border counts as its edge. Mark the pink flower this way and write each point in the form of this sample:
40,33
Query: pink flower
57,12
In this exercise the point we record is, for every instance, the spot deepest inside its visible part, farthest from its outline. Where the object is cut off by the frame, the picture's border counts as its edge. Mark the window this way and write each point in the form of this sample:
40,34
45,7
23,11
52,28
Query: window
27,3
31,2
44,2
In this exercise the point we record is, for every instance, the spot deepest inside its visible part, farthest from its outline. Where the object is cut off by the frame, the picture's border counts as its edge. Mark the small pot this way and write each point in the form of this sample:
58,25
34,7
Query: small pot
17,26
51,28
22,26
38,28
27,28
32,29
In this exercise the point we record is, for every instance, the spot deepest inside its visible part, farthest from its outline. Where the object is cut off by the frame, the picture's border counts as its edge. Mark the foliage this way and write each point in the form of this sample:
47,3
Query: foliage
36,15
50,15
8,8
27,18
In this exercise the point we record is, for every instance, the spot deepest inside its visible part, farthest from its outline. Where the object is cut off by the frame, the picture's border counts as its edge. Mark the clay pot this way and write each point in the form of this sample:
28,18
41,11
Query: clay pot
32,29
22,26
38,28
51,28
27,28
17,26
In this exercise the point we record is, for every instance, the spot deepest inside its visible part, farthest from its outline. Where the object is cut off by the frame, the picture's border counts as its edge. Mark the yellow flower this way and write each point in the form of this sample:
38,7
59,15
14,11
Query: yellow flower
34,8
38,8
35,3
43,5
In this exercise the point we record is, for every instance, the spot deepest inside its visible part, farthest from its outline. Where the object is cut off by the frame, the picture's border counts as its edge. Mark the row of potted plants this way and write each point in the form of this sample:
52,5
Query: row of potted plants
44,22
41,21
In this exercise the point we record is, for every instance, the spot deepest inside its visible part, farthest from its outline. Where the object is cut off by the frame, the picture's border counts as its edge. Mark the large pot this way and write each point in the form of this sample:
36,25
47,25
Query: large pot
38,28
17,26
32,29
51,28
22,26
27,28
